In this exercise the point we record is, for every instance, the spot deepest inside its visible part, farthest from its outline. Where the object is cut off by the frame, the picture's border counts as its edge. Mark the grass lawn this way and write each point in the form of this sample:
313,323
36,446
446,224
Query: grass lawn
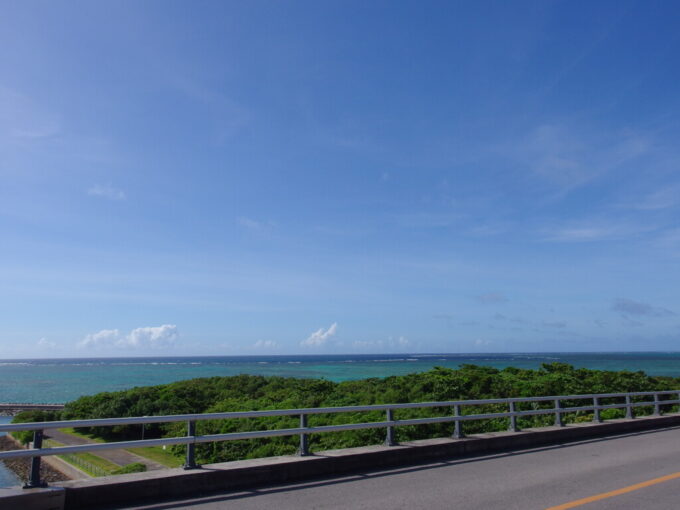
156,453
98,461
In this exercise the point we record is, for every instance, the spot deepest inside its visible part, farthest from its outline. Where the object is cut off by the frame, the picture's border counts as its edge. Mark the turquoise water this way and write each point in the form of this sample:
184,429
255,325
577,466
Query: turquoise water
7,477
62,380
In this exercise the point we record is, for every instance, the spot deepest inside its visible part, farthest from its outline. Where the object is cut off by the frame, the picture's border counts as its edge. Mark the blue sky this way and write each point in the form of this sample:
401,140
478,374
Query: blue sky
337,177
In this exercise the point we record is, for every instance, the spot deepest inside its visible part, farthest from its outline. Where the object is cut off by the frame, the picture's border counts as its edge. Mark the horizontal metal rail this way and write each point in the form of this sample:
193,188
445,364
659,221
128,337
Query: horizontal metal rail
20,405
456,417
104,422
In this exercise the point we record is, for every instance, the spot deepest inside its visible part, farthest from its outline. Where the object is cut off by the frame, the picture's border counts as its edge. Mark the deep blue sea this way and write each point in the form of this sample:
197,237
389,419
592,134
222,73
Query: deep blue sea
62,380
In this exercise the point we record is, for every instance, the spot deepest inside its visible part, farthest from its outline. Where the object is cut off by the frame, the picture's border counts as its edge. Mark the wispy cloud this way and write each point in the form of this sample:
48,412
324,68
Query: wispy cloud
664,198
629,307
106,191
554,324
22,120
595,230
227,116
265,344
391,343
515,320
44,343
320,336
154,337
491,298
252,224
427,220
569,157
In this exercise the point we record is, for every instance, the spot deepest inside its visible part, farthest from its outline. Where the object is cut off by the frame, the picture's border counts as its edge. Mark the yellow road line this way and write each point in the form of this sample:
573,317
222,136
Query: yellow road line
617,492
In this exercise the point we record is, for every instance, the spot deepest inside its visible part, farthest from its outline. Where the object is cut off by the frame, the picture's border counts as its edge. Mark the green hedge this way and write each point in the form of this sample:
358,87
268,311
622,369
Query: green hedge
248,392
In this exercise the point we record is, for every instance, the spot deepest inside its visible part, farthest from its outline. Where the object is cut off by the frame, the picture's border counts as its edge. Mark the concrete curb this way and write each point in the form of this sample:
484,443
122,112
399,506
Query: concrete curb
70,471
176,483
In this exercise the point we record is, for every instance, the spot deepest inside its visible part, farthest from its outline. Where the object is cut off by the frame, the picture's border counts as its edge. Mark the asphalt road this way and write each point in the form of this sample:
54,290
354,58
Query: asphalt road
542,478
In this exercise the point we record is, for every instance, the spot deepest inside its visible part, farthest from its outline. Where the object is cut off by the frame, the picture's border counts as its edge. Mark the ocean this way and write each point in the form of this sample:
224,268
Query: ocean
62,380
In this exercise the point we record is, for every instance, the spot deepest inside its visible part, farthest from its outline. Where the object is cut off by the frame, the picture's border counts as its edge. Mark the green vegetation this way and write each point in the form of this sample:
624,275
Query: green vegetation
158,454
135,467
246,393
26,436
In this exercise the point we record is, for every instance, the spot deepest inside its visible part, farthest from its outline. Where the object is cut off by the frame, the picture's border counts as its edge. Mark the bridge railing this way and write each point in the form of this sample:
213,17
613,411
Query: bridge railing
457,417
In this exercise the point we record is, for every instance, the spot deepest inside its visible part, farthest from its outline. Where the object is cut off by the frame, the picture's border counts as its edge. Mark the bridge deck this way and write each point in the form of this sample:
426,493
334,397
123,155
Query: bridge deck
542,478
12,408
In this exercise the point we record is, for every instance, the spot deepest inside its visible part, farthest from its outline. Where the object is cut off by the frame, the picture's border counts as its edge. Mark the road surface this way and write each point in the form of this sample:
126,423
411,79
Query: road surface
633,471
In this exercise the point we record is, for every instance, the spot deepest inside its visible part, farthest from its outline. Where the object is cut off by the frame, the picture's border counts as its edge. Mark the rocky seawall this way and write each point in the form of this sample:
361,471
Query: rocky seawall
21,467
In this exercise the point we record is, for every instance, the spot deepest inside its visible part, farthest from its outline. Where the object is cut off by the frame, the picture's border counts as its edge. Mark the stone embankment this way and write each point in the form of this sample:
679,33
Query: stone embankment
21,467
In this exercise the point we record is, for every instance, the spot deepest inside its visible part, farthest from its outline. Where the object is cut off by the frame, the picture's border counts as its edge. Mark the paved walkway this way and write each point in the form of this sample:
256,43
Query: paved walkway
119,457
629,472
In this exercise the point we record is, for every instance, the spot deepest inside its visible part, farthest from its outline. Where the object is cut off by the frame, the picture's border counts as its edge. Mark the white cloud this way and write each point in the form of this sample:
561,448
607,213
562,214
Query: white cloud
103,338
44,343
106,191
265,344
320,337
153,337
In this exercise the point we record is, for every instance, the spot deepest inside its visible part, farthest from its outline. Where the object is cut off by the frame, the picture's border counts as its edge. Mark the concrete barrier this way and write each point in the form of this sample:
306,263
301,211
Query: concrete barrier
174,483
49,498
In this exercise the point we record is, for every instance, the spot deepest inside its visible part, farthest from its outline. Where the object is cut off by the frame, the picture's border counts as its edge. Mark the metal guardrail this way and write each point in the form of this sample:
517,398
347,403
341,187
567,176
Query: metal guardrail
191,439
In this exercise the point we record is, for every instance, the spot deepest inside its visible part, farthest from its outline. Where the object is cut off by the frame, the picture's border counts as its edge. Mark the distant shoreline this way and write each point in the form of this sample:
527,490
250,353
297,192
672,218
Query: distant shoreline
57,380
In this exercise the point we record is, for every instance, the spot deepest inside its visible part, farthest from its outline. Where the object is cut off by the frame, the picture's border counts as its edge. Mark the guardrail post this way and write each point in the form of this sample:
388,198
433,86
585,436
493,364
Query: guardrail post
389,438
458,425
34,480
596,411
191,447
657,405
513,419
559,422
629,408
304,440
